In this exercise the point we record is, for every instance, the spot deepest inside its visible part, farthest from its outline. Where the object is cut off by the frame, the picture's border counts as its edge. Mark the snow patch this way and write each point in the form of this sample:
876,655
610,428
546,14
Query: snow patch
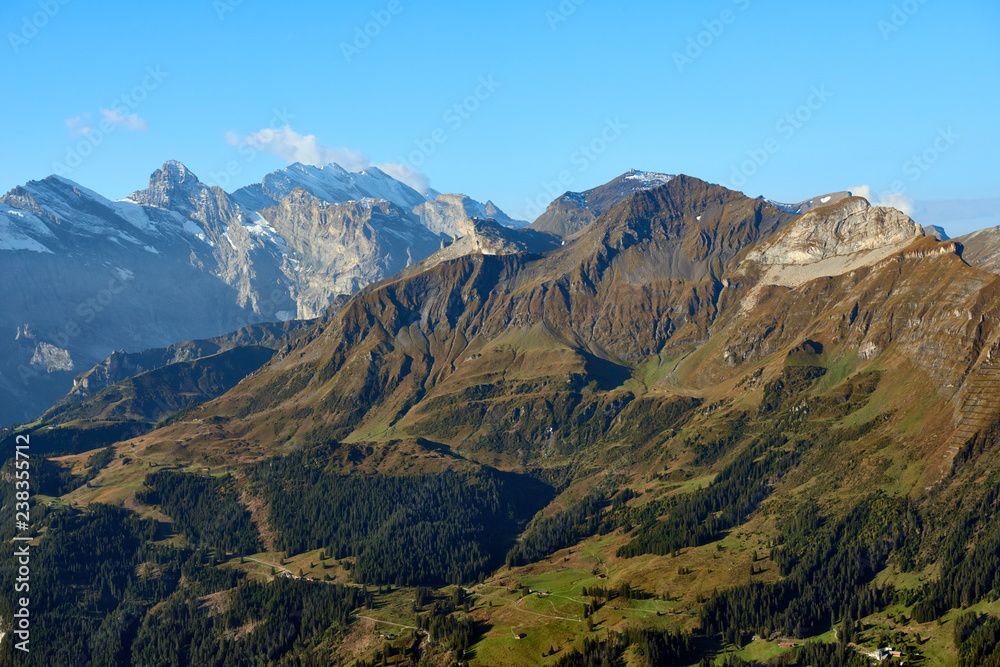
133,213
192,228
11,242
18,229
649,179
334,184
261,228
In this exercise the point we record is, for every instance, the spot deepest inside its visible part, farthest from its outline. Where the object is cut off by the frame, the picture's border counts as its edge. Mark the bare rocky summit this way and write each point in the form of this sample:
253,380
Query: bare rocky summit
831,240
574,211
450,214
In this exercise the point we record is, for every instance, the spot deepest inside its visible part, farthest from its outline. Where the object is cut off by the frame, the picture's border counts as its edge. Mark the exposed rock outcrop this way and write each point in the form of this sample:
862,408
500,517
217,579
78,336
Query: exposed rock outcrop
832,240
450,213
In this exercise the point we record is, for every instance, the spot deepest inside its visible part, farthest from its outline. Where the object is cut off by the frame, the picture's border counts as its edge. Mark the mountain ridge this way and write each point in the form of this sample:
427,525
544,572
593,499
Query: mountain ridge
179,232
733,451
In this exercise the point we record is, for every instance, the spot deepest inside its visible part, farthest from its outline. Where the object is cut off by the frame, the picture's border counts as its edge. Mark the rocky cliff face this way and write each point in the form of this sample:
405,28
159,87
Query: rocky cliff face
332,184
339,248
982,249
179,260
244,254
441,214
86,276
488,237
449,214
832,240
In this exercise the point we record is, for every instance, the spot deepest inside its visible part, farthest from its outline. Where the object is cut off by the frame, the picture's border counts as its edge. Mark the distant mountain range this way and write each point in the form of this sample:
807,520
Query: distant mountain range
662,273
179,260
85,276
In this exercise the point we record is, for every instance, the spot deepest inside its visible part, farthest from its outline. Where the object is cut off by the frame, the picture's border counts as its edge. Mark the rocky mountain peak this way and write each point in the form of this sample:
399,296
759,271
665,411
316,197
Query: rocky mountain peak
832,240
20,198
176,172
645,179
164,184
486,236
331,183
849,226
574,211
51,196
450,214
937,232
689,229
809,204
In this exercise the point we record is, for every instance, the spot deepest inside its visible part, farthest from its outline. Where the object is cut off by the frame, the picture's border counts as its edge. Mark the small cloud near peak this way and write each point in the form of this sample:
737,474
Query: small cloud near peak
293,147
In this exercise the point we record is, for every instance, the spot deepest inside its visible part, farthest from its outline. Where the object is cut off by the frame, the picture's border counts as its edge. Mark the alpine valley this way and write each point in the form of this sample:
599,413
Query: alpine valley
329,420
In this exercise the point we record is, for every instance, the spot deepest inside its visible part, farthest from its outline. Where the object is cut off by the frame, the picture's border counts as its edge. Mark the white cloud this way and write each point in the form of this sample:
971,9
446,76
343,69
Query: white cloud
898,201
82,125
861,191
892,199
129,122
293,147
79,124
415,179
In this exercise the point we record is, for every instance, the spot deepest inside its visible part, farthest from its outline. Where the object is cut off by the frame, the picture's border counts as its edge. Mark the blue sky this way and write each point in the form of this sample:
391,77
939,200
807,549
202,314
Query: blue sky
783,99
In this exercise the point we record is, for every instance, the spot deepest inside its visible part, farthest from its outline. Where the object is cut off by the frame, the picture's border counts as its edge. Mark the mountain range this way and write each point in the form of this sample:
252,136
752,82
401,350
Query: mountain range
681,277
85,276
666,423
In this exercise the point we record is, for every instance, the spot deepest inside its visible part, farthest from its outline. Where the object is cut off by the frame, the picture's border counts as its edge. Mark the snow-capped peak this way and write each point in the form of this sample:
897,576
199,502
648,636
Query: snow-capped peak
649,179
331,183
